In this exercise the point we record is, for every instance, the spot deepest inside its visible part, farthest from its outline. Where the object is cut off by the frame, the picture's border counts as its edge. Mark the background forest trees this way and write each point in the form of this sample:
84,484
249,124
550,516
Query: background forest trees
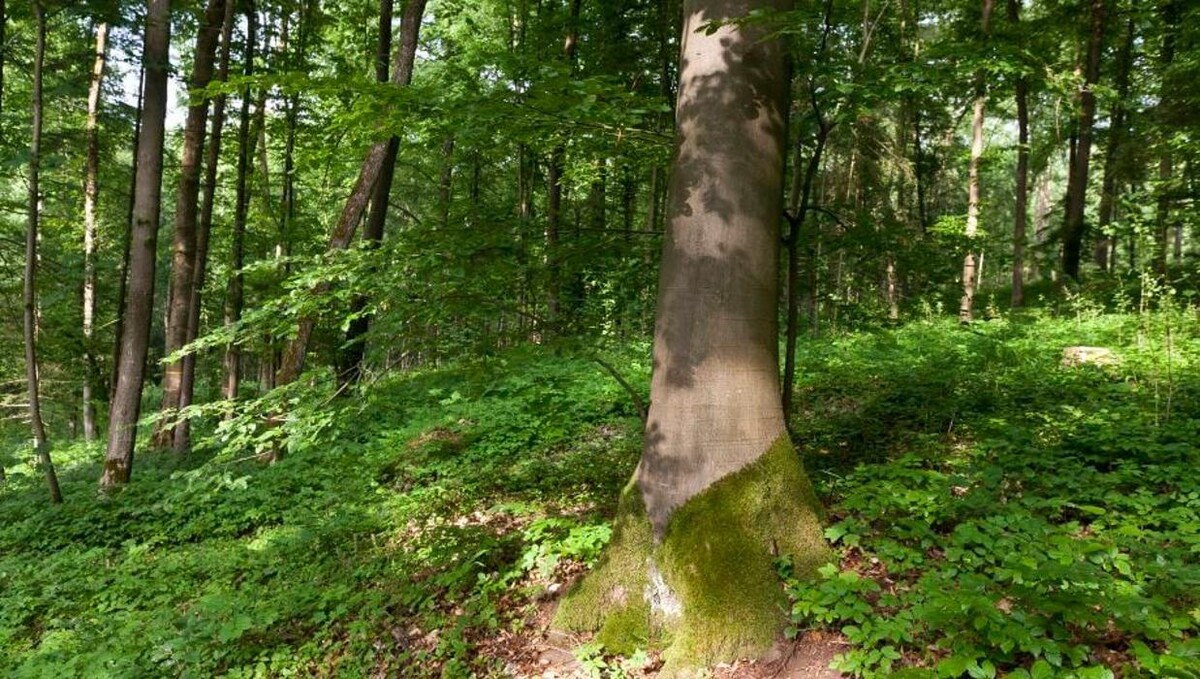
530,173
392,247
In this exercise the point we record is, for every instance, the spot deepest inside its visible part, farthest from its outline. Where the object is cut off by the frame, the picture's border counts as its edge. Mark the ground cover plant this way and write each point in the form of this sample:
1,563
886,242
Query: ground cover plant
416,524
1000,513
995,513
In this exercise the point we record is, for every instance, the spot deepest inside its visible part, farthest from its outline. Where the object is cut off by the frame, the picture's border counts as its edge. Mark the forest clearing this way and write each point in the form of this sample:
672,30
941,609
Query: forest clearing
738,339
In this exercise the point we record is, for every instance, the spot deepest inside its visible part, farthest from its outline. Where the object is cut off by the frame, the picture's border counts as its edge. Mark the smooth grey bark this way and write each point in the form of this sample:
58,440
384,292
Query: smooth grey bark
715,401
187,209
135,335
91,190
970,272
40,442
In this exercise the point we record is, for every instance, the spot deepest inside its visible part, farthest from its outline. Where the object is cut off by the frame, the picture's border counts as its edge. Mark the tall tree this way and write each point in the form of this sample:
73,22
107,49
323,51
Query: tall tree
1021,205
181,441
91,189
235,291
692,550
1113,150
1075,226
356,203
187,208
1166,160
360,323
970,275
40,441
135,335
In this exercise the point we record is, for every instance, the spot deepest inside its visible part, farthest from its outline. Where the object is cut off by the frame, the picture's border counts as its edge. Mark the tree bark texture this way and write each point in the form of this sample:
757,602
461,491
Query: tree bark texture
40,442
715,404
355,347
91,190
1075,226
343,232
1021,206
181,440
135,336
232,361
187,208
970,274
1166,160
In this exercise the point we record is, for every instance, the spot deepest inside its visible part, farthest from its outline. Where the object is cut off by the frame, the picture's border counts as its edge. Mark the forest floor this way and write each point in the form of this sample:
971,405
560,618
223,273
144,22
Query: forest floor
997,511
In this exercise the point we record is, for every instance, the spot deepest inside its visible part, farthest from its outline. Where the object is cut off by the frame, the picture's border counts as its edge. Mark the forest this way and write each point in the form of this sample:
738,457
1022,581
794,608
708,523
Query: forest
600,338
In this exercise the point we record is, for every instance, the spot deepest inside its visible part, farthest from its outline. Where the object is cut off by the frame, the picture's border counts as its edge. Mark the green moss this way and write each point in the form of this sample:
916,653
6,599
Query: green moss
611,599
718,556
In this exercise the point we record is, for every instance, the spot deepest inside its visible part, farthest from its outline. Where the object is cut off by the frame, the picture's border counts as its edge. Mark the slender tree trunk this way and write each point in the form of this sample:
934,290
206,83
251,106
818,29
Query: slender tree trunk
1166,160
40,442
3,54
1075,227
91,189
554,195
187,386
355,345
135,340
232,362
1116,141
123,283
293,357
1021,207
183,264
970,275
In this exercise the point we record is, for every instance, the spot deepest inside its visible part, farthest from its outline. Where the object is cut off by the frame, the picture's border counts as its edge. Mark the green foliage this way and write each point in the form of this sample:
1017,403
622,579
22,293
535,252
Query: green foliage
1002,514
428,512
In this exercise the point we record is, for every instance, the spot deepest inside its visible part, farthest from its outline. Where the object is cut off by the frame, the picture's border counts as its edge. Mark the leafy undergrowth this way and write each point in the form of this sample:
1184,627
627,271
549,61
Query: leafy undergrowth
422,516
1001,514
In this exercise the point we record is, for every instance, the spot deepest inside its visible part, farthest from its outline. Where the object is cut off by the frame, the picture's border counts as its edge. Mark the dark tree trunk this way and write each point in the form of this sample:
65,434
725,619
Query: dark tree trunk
232,362
40,442
187,208
343,232
91,190
355,348
187,386
1021,208
1074,227
135,336
1112,150
1166,160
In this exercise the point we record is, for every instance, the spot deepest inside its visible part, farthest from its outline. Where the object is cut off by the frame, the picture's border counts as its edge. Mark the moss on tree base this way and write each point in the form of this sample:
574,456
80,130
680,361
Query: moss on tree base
718,597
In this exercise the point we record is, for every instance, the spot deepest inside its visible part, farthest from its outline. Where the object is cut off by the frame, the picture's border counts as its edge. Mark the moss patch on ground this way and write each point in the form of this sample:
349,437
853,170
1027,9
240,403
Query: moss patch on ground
717,557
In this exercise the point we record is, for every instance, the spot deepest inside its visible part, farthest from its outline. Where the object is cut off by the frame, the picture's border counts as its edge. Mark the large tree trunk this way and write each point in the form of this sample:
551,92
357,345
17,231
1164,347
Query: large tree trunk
1075,226
970,274
1021,208
182,439
343,232
91,189
232,362
183,262
719,487
40,442
135,336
